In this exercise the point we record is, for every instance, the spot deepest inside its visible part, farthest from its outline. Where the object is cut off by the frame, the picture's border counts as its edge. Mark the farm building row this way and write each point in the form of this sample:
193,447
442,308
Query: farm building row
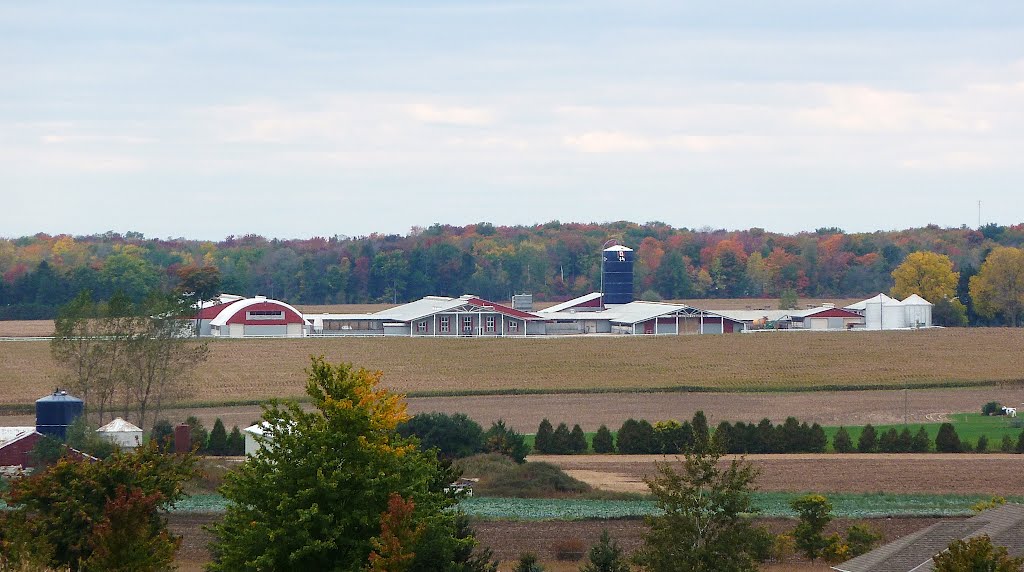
439,316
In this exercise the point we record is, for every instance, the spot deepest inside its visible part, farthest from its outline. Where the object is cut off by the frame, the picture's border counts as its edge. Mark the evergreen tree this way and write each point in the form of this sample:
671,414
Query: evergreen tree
1006,445
528,563
868,440
889,441
921,442
577,440
235,442
605,556
603,441
1020,443
817,441
905,443
560,440
507,441
636,438
218,439
701,431
982,445
842,443
198,435
542,442
947,441
163,435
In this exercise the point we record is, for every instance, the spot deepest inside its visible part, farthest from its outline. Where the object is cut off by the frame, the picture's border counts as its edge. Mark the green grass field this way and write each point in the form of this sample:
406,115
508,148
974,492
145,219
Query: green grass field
969,426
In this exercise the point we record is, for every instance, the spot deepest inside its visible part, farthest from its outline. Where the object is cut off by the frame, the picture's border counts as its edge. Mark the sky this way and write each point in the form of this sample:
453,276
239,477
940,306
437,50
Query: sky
298,119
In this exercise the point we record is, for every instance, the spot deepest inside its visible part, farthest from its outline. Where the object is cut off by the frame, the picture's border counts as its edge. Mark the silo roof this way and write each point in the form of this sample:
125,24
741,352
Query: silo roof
618,248
119,425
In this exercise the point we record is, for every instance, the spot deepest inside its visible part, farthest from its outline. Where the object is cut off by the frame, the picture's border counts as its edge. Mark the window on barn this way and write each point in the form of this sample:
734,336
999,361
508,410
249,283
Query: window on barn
264,315
513,325
467,324
421,326
444,324
490,323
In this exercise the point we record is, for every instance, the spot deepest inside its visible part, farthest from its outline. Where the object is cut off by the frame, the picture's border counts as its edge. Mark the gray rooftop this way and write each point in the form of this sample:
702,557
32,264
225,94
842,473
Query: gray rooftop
914,552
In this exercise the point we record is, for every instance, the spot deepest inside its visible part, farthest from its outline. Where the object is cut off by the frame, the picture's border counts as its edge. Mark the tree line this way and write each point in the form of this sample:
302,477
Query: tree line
552,260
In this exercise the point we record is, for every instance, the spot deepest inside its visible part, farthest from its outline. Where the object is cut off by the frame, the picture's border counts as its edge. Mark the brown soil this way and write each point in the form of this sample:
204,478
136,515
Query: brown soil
853,473
524,412
510,539
25,328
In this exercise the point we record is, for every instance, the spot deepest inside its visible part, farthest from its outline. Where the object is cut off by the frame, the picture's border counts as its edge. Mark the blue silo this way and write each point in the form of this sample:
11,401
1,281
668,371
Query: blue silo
617,274
55,412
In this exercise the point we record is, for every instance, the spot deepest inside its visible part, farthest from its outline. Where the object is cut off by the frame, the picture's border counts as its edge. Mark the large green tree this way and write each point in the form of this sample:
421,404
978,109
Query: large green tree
318,493
705,527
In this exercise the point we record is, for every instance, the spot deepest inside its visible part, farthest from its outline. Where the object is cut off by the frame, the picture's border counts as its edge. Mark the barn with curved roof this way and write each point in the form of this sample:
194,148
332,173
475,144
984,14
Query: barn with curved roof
258,316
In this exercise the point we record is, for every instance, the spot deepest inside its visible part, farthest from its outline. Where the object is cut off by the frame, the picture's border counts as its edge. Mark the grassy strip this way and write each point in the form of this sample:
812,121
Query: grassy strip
28,408
845,505
969,426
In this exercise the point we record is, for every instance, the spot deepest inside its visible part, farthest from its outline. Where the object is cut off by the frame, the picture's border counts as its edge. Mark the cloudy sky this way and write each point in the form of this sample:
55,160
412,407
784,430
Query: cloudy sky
298,119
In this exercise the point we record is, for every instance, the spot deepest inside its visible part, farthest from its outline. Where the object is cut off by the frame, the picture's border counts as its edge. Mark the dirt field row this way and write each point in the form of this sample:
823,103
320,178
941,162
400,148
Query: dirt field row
995,474
591,410
510,539
263,368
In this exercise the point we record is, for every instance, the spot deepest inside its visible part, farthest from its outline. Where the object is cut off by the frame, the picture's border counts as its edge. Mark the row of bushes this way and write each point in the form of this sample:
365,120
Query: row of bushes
457,436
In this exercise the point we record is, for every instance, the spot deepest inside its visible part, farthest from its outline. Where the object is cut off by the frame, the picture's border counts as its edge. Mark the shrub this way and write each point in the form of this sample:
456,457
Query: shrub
669,437
501,439
814,513
605,556
722,438
947,441
636,437
783,546
603,441
577,441
984,505
976,553
528,563
1020,443
842,443
542,442
835,549
905,443
569,550
992,408
501,477
868,440
454,436
163,435
1006,445
889,441
861,539
982,445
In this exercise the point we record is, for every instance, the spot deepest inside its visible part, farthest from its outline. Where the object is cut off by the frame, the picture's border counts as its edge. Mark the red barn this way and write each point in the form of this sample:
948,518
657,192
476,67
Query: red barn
237,317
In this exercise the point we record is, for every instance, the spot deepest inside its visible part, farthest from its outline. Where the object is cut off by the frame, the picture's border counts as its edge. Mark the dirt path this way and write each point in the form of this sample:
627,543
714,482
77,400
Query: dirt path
996,474
524,412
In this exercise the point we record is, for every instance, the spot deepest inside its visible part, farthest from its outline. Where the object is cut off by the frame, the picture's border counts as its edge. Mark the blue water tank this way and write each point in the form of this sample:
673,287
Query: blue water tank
617,274
55,412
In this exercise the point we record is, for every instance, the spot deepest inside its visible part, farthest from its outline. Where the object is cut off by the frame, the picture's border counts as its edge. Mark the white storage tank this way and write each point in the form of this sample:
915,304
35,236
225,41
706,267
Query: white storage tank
122,433
894,315
918,311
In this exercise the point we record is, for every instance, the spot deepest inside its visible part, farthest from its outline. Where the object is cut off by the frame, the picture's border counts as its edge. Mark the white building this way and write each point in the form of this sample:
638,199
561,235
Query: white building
122,433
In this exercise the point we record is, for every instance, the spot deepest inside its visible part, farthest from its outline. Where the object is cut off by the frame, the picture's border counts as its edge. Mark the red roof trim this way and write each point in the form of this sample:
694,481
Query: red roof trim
210,312
503,309
290,317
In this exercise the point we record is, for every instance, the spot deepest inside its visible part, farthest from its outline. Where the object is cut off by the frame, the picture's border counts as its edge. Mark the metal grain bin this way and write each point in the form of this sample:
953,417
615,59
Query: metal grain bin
617,274
55,412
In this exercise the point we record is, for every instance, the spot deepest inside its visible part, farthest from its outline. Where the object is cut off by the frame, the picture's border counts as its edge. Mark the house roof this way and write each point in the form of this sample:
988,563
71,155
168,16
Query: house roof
11,434
230,310
880,298
638,311
569,304
914,552
426,306
915,300
119,425
825,312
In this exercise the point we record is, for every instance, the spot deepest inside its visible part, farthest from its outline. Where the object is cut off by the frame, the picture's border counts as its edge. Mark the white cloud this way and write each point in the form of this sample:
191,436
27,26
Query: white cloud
607,142
451,115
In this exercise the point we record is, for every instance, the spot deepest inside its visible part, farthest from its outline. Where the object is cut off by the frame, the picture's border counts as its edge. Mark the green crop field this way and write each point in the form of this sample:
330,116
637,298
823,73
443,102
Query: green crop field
874,505
969,426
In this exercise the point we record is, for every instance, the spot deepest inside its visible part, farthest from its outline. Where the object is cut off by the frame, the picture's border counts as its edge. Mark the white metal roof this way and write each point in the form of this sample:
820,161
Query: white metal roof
119,425
880,299
239,305
915,300
571,303
618,248
751,315
8,434
639,311
423,307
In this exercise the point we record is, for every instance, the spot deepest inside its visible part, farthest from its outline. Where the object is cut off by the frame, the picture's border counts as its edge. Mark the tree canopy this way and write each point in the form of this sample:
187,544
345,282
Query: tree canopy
927,274
998,288
332,486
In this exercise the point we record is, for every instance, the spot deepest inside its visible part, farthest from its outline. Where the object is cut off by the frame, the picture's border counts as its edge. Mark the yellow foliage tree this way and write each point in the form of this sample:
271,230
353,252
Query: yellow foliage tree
927,274
998,288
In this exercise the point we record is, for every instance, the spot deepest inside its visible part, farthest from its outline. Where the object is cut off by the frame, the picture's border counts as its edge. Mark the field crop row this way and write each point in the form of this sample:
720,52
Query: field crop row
770,504
255,369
